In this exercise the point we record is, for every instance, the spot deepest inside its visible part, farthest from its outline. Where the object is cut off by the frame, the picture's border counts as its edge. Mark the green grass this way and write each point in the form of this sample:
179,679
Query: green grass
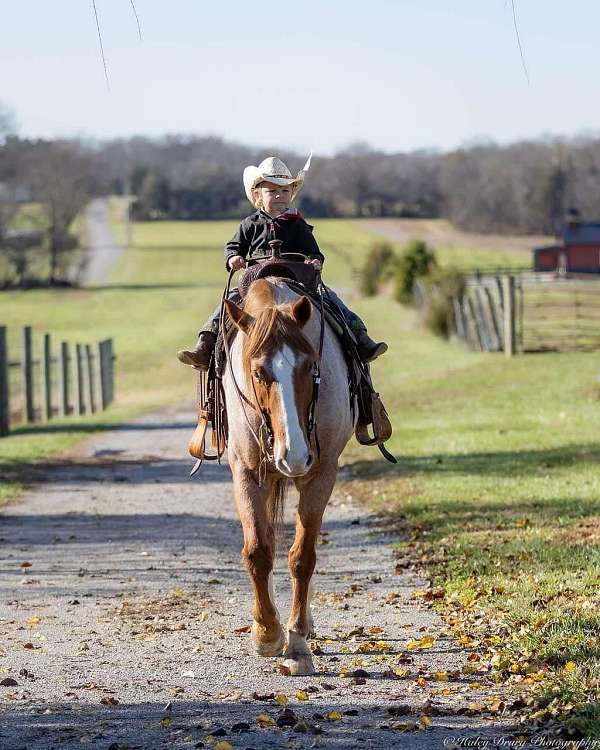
482,259
498,489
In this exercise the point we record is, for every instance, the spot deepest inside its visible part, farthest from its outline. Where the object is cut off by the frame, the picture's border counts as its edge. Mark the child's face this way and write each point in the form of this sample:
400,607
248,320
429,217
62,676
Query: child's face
274,198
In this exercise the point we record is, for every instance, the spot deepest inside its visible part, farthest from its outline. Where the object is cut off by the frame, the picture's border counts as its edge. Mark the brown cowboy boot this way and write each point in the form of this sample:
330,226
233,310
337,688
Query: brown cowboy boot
368,350
200,355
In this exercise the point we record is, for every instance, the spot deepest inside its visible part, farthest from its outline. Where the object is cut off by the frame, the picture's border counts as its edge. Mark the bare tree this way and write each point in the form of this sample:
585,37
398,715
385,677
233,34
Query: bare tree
60,175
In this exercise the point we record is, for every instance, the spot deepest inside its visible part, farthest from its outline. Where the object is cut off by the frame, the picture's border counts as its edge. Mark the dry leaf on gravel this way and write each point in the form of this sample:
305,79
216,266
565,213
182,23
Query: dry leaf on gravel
426,641
109,700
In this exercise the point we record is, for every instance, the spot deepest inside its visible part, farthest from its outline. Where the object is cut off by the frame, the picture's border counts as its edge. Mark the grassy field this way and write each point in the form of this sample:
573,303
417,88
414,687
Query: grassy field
460,249
496,495
162,290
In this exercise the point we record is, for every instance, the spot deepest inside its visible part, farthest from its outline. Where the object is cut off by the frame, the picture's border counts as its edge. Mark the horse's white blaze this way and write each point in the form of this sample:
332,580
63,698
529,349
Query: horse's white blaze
294,454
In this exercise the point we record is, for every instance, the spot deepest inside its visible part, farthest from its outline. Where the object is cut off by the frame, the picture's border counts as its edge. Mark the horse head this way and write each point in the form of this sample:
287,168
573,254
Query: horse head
278,362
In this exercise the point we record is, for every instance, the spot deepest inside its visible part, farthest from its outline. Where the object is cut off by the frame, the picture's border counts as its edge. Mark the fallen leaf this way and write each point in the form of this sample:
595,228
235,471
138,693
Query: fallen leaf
282,699
245,629
426,641
264,720
302,695
108,700
166,722
31,621
26,564
333,716
405,726
223,745
9,682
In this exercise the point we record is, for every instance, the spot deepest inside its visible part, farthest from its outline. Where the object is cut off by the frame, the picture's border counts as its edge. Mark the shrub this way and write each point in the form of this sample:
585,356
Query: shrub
379,259
441,287
416,260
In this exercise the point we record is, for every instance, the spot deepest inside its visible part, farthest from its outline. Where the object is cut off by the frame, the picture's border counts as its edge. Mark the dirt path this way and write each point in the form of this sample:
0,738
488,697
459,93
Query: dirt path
103,252
124,604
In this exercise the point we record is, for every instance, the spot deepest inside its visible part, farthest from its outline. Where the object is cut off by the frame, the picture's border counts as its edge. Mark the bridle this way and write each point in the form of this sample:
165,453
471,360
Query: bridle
264,438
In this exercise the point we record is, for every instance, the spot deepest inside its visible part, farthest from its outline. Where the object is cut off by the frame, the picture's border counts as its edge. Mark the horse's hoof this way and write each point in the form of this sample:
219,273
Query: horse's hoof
263,647
299,665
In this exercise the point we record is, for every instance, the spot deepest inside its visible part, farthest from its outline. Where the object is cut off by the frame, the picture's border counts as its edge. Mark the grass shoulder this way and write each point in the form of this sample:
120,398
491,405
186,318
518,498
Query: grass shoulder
496,499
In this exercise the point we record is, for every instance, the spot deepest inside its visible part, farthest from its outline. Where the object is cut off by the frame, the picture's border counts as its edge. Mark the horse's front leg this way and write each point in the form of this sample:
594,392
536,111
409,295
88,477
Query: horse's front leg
314,496
258,553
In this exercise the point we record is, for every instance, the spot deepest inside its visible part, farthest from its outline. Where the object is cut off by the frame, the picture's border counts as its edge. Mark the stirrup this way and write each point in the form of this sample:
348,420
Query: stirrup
197,444
382,427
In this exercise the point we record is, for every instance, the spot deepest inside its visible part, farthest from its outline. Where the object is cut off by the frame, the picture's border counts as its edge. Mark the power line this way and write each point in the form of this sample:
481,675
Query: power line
137,20
101,45
514,15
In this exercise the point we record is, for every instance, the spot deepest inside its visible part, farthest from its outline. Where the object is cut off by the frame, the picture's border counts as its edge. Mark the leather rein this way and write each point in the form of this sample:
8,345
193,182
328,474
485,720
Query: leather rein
264,438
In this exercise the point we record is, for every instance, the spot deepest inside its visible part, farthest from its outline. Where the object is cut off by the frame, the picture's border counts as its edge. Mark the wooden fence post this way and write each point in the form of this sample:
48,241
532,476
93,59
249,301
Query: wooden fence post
4,394
110,358
459,322
105,358
65,379
482,321
491,305
91,379
79,390
46,378
27,374
508,294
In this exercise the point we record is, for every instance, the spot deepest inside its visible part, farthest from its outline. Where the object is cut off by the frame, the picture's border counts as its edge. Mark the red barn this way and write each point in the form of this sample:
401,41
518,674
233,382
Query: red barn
578,253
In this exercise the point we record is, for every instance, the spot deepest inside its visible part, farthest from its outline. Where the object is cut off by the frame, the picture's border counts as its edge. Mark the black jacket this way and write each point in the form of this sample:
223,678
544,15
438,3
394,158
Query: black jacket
254,233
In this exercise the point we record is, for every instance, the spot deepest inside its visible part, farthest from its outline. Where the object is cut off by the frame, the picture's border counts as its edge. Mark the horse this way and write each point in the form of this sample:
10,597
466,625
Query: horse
269,388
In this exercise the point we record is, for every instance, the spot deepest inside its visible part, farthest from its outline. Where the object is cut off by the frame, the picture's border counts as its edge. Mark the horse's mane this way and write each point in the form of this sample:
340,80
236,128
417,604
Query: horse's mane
274,327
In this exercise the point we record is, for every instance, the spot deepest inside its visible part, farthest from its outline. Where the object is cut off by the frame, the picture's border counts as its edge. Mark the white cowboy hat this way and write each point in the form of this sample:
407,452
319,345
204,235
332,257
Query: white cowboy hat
272,169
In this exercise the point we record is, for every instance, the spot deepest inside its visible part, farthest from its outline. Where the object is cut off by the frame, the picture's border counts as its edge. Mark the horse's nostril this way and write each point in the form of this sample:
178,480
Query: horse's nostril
309,460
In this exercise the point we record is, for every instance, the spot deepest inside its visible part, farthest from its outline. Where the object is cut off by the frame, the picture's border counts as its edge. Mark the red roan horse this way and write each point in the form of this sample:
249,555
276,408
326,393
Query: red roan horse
272,364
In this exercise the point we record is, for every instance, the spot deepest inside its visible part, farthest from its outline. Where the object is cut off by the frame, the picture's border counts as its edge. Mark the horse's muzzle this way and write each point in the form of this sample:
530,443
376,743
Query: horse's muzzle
294,466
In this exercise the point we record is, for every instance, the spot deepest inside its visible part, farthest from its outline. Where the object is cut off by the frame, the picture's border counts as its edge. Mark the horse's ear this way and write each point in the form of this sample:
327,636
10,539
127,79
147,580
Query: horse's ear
301,310
240,319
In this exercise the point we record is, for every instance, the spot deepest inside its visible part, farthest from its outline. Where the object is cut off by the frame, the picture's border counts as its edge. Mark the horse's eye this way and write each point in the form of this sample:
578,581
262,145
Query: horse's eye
259,376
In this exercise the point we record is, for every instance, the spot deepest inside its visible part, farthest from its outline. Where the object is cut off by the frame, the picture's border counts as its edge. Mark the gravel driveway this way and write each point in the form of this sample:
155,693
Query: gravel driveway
125,608
103,252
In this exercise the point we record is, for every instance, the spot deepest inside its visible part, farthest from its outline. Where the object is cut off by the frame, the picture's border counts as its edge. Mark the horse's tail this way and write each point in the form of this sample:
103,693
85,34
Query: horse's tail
276,504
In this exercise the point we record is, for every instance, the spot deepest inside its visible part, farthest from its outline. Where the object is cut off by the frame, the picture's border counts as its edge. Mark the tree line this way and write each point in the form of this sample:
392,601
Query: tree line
524,187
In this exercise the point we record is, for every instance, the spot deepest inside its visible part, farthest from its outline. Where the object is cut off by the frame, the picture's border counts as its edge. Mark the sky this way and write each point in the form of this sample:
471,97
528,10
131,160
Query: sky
313,75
